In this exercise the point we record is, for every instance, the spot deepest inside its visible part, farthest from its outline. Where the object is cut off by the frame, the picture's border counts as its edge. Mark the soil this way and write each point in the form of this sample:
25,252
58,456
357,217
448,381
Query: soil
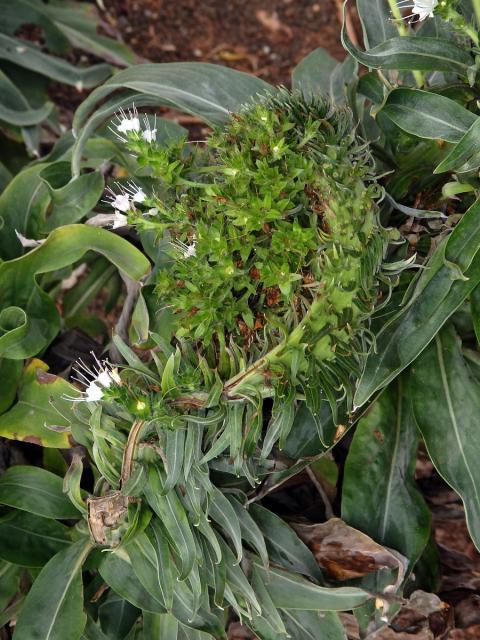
266,38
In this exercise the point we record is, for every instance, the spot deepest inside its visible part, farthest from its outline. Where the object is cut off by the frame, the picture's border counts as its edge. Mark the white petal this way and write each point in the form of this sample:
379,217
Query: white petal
119,220
149,135
139,196
93,393
104,379
129,124
121,202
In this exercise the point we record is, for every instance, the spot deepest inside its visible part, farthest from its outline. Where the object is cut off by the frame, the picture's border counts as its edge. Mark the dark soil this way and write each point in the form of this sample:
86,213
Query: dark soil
264,38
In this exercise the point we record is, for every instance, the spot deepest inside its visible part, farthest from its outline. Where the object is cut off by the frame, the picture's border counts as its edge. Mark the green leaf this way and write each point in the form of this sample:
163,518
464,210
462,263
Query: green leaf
175,84
412,53
463,151
439,292
379,494
117,572
284,546
30,541
377,23
170,510
427,115
78,23
23,206
10,374
314,625
446,404
116,616
41,405
289,591
251,532
143,559
222,512
30,57
320,74
72,199
14,107
9,582
53,608
37,491
29,318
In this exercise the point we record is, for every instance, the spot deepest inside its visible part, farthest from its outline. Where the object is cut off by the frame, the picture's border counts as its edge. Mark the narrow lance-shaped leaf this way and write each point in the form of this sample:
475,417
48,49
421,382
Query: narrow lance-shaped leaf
284,546
37,491
53,608
446,405
379,495
427,115
30,541
290,591
452,274
412,52
30,57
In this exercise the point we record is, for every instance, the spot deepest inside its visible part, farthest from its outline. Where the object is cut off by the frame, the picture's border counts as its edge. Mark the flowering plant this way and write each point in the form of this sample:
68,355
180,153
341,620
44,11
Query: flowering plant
314,272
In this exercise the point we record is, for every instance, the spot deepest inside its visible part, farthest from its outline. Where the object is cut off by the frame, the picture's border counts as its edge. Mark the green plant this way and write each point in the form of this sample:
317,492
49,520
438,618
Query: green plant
280,313
26,69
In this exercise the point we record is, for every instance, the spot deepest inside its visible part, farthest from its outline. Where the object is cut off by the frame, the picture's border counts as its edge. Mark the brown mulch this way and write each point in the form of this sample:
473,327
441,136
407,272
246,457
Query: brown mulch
266,38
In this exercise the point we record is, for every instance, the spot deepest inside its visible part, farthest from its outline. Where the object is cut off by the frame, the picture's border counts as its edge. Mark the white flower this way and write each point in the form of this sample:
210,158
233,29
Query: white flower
96,380
136,194
93,393
121,202
139,196
422,8
149,135
186,250
151,212
119,220
128,121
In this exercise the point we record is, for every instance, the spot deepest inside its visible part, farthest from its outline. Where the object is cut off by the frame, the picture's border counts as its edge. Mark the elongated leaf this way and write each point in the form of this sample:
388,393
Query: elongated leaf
412,52
222,512
116,616
53,608
30,541
284,546
15,108
119,575
290,591
41,404
314,625
251,532
464,150
377,23
220,91
23,206
173,517
143,559
37,491
78,23
428,115
320,74
30,57
379,495
29,317
72,200
446,404
443,288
